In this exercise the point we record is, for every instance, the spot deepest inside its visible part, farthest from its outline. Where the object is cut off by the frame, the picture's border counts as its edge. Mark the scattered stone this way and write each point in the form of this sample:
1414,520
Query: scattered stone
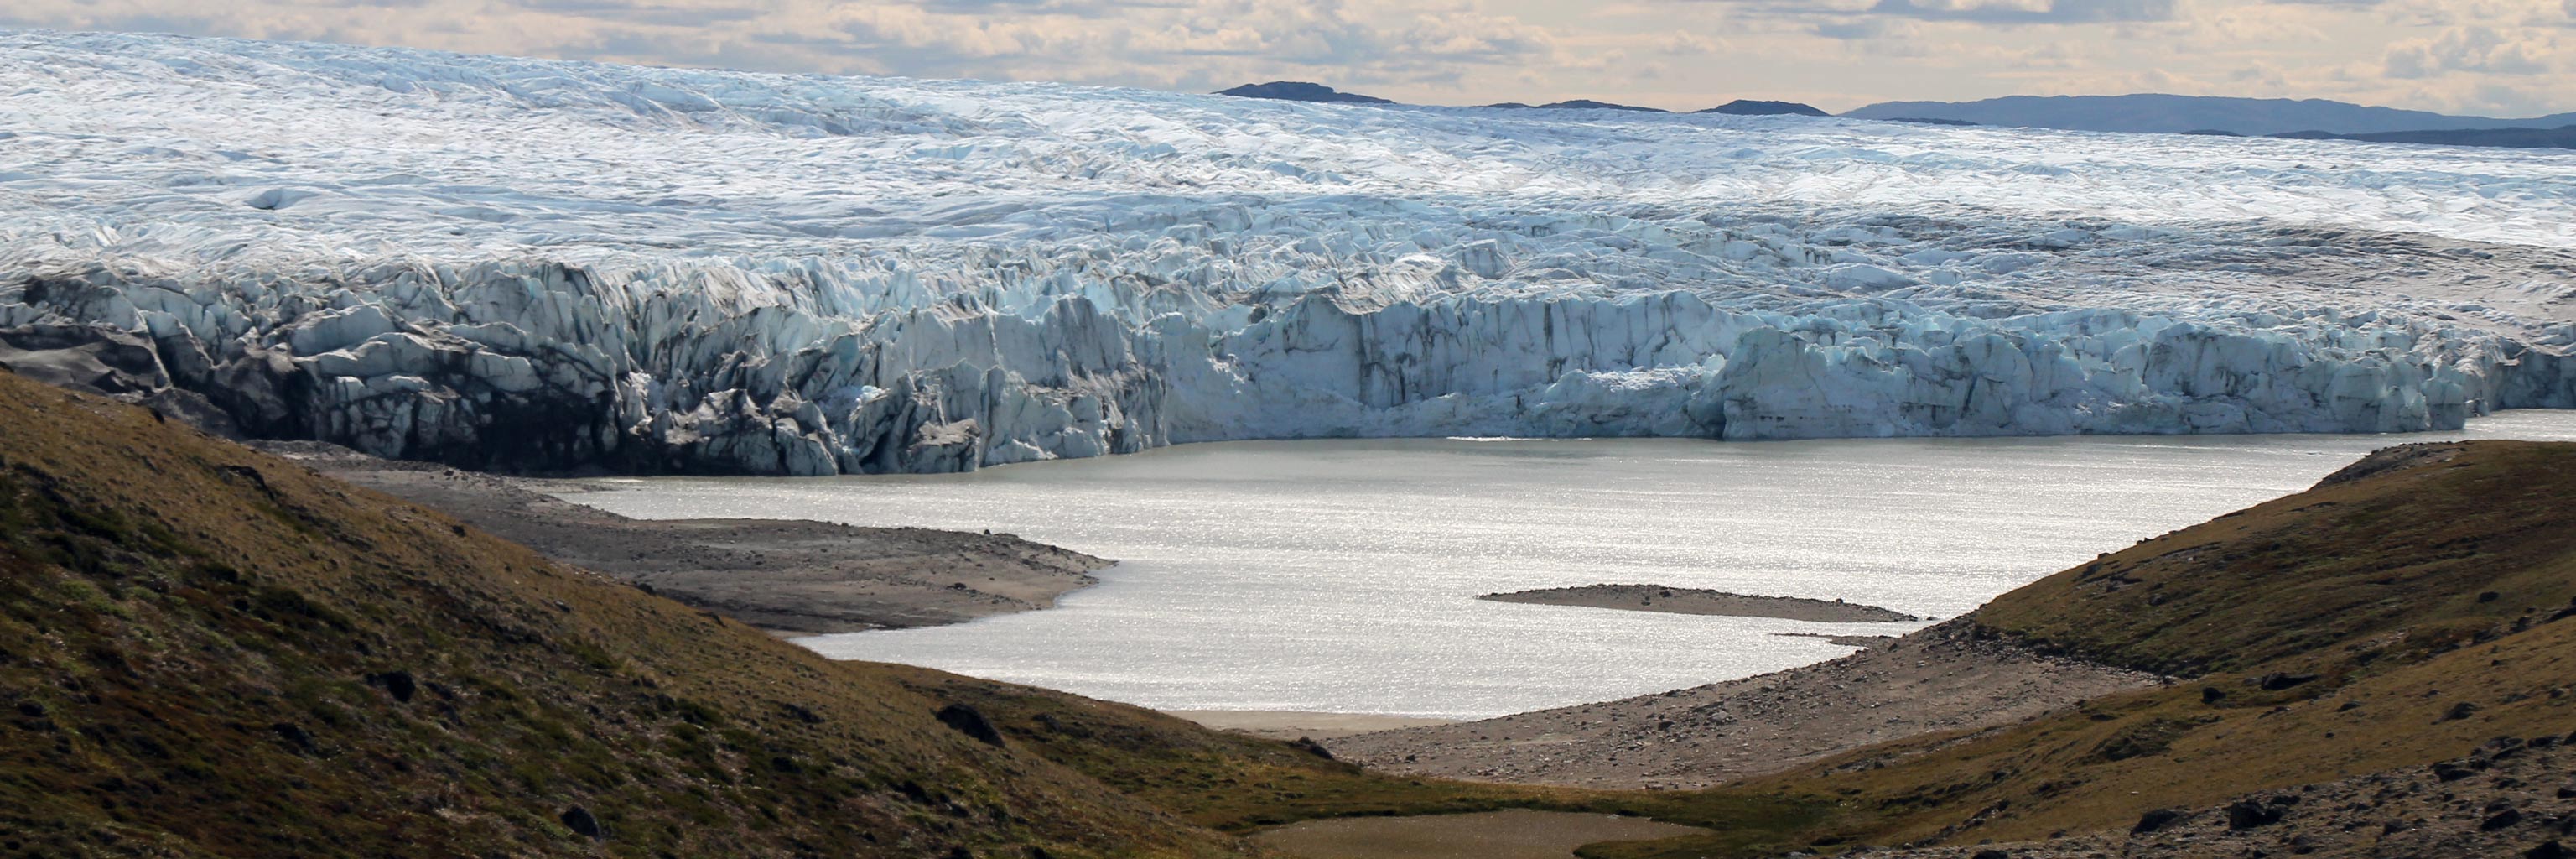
396,683
294,735
2155,820
1309,746
584,824
971,722
2276,681
2245,815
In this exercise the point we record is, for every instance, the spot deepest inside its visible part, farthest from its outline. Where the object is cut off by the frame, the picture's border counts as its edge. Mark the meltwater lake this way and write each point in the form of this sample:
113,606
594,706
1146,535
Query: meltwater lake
1341,576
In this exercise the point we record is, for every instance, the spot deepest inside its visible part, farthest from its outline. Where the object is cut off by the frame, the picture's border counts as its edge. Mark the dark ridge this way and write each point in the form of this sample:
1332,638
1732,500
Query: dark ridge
2160,113
1578,104
1927,120
1754,107
1302,91
2513,138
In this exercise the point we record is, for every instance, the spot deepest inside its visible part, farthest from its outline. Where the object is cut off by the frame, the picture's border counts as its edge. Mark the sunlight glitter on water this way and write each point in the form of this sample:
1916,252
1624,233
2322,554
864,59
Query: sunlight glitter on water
1341,576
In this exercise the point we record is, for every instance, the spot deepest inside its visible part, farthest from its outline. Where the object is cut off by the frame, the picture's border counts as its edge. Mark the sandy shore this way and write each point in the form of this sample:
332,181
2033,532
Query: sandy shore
1707,602
1290,724
1938,679
791,577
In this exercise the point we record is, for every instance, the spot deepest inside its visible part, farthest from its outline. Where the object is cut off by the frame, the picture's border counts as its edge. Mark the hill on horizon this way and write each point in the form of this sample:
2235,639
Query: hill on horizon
1301,91
2174,114
1315,92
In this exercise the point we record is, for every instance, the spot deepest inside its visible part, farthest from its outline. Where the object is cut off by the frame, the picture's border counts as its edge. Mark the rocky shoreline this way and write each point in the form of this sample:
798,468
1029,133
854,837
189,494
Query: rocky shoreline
790,577
1944,678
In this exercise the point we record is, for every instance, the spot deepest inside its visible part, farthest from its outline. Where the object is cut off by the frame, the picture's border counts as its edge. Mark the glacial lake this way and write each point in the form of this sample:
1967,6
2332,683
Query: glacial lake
1341,576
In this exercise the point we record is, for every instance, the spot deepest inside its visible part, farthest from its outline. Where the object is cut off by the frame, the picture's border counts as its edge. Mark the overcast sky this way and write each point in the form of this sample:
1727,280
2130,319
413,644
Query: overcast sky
2494,57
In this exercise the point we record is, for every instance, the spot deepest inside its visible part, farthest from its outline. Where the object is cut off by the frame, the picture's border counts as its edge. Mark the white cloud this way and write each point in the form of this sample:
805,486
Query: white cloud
1685,54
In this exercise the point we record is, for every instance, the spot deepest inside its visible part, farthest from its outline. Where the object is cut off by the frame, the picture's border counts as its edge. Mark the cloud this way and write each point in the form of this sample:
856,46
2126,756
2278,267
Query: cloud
2481,50
2012,13
1681,54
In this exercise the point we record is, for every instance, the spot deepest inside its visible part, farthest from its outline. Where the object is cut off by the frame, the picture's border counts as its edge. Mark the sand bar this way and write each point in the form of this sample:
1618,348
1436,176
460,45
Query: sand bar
1707,602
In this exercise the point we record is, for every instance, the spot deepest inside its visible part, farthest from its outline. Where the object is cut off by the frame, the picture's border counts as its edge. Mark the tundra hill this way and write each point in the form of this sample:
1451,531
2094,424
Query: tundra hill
2402,613
205,651
208,651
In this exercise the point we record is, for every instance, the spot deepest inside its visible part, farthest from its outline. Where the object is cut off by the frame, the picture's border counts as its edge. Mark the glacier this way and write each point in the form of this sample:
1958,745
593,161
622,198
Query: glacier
526,264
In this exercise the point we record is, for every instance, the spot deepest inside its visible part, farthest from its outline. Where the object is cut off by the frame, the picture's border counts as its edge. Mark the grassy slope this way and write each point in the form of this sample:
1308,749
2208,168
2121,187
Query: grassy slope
170,605
1236,783
187,629
2380,586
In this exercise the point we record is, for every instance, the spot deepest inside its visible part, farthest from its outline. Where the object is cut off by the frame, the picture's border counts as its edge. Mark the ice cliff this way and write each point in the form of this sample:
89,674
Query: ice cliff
534,264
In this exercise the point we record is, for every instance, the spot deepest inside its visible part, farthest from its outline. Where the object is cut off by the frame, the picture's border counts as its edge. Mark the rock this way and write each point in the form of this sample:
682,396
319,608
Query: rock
1991,854
2155,820
2244,815
2500,820
396,683
971,722
2548,850
2212,694
295,736
584,824
2277,681
2459,711
1309,746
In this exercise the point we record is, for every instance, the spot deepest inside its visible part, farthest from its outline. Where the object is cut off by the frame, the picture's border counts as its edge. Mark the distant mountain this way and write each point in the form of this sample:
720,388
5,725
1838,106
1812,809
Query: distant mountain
1302,91
1754,107
1577,104
2178,113
1925,120
2522,138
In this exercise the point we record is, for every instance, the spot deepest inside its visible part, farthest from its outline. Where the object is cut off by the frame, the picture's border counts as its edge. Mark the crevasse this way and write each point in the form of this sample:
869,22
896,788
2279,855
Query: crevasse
532,264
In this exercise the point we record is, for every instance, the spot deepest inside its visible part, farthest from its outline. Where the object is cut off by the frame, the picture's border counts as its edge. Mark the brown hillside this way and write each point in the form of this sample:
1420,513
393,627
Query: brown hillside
2401,615
205,651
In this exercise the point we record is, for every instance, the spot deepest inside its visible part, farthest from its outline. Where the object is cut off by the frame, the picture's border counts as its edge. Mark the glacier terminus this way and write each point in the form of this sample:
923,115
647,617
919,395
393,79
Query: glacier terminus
508,263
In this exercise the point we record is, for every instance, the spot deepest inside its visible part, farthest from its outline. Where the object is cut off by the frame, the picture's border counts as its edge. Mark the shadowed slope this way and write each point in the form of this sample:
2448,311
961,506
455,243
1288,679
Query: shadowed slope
205,651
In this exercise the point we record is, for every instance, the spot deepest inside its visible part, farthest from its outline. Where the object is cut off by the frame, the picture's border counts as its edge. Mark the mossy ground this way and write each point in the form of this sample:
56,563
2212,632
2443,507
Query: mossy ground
206,651
200,646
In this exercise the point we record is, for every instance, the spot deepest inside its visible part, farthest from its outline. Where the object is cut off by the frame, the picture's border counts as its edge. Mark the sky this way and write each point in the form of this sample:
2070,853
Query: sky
2506,58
